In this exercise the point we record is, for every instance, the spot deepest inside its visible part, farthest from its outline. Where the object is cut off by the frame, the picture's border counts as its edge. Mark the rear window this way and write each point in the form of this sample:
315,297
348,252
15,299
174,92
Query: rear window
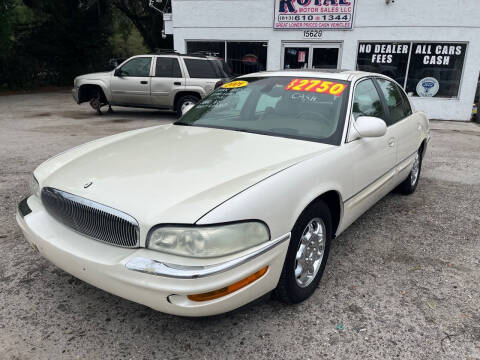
205,69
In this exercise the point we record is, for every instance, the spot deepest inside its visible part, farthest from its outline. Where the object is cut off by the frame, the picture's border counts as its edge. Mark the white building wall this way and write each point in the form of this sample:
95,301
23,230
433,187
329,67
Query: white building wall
374,20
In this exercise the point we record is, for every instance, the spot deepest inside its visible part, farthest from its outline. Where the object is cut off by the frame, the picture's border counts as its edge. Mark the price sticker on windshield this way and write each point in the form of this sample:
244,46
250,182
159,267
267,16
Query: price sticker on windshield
316,86
235,84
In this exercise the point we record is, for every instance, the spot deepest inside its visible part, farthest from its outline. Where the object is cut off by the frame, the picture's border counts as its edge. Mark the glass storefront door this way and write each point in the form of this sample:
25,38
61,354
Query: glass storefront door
311,56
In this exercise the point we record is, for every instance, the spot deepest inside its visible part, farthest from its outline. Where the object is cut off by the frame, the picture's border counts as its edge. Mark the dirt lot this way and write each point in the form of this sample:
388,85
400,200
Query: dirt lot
402,282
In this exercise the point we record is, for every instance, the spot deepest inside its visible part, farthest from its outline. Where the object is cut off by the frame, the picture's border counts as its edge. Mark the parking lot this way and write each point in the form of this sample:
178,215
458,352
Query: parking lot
401,282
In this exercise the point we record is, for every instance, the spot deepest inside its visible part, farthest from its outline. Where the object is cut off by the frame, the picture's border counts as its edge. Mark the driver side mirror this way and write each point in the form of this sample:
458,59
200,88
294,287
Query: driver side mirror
369,126
118,73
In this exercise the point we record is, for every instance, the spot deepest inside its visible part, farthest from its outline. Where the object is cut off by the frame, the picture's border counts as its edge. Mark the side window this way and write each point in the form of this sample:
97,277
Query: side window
167,67
366,101
394,100
138,67
201,69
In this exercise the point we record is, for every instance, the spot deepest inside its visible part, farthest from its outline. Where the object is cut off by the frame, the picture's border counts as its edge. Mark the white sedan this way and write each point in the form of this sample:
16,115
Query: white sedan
241,197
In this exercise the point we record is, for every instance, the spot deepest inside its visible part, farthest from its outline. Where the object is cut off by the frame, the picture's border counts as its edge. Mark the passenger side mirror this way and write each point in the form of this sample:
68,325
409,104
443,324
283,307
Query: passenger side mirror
369,126
187,108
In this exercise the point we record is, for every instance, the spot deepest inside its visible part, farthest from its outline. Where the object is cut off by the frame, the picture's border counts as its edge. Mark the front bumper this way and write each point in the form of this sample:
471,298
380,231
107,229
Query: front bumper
166,290
75,95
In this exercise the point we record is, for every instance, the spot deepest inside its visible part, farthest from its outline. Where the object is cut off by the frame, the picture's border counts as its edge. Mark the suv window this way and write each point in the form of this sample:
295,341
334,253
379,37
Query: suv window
366,101
202,69
137,67
167,67
394,100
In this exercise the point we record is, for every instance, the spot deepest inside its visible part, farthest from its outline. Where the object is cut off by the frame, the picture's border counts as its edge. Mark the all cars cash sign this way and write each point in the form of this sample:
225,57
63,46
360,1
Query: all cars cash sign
314,14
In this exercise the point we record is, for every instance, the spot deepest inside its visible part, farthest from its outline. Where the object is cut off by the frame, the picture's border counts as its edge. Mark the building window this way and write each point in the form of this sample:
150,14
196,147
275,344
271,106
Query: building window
434,69
242,57
246,57
390,59
213,48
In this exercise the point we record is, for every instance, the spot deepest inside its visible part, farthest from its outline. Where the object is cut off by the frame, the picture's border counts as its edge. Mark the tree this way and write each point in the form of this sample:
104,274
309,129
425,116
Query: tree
148,21
6,26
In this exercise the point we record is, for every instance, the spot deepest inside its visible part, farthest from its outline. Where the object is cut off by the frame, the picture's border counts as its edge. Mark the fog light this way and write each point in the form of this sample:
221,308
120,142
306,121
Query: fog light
229,289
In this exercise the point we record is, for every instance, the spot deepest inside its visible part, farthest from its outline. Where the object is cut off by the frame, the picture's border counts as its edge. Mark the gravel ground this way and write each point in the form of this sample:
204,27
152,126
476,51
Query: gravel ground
401,282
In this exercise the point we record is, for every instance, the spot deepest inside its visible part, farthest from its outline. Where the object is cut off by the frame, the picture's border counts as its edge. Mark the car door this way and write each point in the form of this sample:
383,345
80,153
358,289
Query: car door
130,84
404,124
166,81
372,159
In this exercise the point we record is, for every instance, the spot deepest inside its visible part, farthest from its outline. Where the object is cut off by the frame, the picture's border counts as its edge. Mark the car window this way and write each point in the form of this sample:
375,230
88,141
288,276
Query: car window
167,67
366,101
201,69
394,100
137,67
301,108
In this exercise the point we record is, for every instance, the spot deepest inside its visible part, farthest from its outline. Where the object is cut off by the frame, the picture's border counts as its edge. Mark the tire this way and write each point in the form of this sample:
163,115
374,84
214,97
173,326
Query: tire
294,287
409,185
183,101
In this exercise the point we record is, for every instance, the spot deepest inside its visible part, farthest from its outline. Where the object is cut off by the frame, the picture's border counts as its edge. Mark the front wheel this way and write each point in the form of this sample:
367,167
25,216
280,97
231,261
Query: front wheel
307,254
409,185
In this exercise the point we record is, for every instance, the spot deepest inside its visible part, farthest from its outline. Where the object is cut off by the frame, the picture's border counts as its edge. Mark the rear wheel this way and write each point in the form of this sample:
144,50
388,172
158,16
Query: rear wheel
307,255
185,101
409,185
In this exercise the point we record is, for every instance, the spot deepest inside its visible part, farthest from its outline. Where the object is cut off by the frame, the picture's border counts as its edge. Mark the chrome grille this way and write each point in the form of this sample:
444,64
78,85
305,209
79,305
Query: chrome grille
95,220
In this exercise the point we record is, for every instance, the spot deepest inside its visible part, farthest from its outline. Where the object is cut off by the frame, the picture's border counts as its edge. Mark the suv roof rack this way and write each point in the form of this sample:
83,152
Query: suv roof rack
203,54
166,51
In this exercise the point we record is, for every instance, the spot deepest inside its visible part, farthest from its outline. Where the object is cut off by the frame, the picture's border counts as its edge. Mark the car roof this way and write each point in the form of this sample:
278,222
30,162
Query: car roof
337,74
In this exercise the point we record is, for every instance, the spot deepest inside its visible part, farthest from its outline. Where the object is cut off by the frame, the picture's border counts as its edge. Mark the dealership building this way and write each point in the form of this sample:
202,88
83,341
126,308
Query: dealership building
431,48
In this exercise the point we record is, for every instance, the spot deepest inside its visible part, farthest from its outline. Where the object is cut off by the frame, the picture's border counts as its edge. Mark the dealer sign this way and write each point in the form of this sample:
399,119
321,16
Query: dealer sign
314,14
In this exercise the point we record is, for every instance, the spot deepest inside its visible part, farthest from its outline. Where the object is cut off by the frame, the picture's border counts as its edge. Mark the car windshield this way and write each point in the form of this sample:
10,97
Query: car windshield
302,108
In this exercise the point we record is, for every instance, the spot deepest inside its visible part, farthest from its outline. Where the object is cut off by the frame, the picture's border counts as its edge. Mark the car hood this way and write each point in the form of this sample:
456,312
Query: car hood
93,76
173,173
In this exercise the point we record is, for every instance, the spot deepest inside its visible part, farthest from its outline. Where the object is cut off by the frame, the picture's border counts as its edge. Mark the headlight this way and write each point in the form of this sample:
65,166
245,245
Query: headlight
33,186
208,241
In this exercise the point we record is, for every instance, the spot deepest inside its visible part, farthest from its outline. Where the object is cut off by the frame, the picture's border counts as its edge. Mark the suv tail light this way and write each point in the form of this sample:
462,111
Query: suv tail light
218,84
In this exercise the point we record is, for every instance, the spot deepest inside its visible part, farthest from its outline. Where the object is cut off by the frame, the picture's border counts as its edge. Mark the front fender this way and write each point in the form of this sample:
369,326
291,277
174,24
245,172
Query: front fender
280,199
102,83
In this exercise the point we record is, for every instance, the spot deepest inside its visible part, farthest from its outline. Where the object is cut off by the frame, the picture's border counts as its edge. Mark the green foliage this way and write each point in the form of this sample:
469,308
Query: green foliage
6,26
148,21
49,42
125,41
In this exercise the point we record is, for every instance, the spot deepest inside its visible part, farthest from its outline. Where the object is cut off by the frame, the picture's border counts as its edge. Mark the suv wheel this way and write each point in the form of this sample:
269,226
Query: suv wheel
184,101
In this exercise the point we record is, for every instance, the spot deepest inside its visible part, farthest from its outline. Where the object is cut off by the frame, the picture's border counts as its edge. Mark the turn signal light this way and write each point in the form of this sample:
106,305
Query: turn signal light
229,289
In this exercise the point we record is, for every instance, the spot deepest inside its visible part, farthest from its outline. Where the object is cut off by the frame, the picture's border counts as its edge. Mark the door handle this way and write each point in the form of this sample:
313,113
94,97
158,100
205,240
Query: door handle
143,82
391,142
177,83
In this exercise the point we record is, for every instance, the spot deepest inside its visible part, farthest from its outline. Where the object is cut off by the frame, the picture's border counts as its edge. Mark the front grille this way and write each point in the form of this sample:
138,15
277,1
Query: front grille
95,220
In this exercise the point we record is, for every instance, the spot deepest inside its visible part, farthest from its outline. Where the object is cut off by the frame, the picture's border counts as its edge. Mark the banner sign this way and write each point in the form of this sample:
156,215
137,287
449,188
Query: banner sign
314,14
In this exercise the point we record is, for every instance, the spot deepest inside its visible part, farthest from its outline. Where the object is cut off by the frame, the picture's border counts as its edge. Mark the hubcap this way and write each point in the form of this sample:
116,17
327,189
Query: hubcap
186,103
310,252
415,170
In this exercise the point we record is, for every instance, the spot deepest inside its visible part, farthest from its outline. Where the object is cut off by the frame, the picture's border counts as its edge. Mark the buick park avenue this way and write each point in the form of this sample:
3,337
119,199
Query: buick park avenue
241,197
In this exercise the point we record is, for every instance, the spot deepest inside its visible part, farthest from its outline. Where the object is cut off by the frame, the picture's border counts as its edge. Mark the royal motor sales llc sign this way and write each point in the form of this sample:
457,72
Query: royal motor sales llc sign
314,14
